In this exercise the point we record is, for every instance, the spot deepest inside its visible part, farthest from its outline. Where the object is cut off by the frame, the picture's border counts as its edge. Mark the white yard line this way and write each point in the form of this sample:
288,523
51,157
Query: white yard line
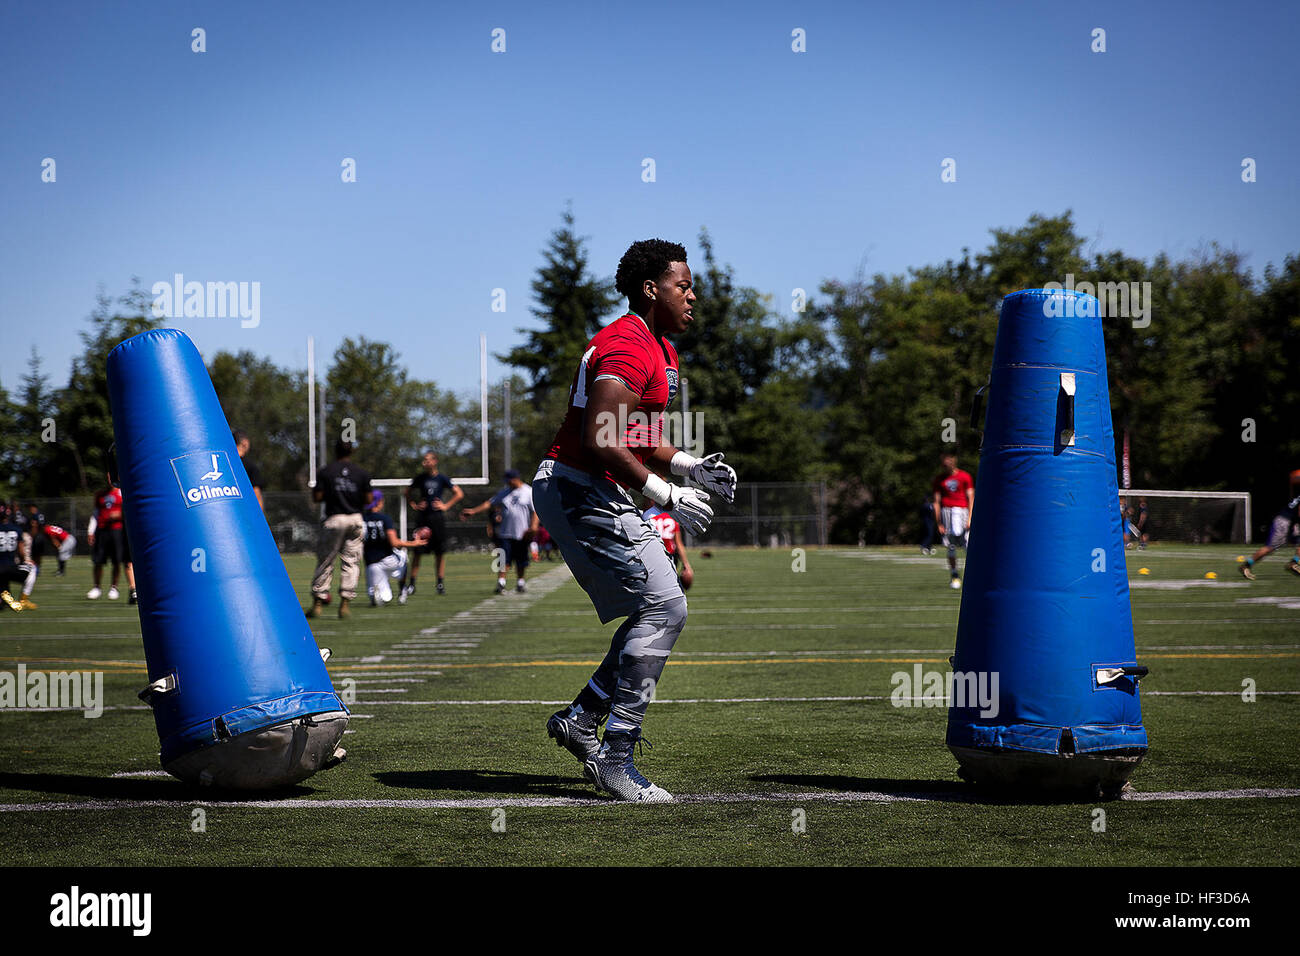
485,803
788,700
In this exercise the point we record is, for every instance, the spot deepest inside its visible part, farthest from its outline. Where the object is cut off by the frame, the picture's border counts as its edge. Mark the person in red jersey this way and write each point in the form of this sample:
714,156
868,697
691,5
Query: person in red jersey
610,444
107,537
954,500
64,541
671,535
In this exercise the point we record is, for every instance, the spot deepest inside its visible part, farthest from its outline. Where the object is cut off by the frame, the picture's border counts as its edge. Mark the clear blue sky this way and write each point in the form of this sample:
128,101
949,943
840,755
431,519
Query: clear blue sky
225,165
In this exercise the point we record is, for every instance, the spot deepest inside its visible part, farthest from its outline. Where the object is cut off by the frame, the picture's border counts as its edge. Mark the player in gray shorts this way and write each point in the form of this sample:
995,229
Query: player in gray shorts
616,555
611,441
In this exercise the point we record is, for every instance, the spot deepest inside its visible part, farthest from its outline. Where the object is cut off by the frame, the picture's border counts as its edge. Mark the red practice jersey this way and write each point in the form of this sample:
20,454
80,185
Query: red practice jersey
624,350
108,509
666,525
57,534
952,489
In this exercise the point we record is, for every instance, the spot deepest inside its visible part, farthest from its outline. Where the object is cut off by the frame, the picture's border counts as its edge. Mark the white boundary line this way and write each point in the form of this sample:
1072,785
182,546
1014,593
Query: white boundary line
484,803
658,700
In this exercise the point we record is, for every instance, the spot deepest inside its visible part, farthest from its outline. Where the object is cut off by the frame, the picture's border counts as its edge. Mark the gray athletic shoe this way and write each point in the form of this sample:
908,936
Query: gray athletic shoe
611,770
576,732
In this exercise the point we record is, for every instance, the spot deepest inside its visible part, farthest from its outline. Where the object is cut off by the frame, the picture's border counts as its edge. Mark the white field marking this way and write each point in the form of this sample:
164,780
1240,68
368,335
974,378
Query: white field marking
910,608
140,773
372,659
866,651
343,631
393,680
1183,584
484,803
1219,647
1214,693
1288,603
380,671
784,700
437,644
397,650
891,558
388,690
71,637
757,653
704,628
1218,620
60,619
658,700
64,710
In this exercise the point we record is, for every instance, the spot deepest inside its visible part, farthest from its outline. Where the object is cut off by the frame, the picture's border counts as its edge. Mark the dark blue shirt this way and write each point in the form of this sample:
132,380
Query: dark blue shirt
376,544
427,488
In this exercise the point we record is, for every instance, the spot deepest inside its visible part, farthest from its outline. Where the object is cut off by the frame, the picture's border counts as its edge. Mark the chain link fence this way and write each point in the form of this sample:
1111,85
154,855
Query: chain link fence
765,514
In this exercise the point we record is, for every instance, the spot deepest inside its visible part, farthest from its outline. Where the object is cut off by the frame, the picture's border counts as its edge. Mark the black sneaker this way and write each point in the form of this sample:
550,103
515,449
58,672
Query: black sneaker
132,599
577,731
500,589
441,589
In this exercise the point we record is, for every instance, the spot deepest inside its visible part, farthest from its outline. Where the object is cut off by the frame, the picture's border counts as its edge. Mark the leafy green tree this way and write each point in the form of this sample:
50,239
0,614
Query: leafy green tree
10,448
269,403
908,354
571,304
84,422
392,417
31,457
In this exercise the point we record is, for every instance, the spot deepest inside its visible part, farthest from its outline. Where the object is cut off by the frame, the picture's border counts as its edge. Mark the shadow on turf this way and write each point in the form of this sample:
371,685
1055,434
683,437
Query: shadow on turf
486,781
943,791
127,788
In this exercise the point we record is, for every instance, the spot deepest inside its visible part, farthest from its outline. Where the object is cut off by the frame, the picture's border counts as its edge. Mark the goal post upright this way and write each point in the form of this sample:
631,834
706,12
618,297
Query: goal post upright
481,479
311,412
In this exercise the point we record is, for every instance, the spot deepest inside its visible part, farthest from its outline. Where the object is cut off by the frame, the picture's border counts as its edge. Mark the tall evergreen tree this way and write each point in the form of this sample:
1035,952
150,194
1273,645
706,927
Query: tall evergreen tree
571,304
84,422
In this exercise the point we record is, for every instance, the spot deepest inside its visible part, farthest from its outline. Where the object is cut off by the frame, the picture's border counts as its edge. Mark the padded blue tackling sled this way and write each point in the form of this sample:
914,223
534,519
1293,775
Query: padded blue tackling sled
1045,605
237,684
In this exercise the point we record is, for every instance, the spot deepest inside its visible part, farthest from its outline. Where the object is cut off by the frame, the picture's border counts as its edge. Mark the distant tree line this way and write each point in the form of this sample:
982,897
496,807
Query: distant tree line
856,388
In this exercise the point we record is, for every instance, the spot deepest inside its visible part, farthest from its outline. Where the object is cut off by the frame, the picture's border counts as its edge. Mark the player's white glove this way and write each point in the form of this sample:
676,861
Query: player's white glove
709,473
689,506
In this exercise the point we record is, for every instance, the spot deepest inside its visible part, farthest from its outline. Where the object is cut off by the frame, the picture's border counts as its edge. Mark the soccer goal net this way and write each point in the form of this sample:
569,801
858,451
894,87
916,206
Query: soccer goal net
1188,517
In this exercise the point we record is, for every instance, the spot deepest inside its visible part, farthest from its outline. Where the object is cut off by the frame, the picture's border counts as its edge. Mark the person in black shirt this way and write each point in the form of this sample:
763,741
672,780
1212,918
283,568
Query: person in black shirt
385,557
242,444
345,490
14,566
425,496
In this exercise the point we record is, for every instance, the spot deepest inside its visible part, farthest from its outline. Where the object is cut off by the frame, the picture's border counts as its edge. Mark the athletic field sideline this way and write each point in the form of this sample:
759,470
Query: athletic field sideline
775,726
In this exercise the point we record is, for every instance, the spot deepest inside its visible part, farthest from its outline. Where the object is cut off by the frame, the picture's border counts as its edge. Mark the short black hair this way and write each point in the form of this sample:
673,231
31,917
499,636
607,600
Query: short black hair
343,449
646,259
239,436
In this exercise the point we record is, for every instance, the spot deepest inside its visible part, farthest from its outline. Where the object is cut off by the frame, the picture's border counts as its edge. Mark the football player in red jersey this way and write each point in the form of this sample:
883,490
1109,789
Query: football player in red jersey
108,543
954,500
64,541
611,442
671,535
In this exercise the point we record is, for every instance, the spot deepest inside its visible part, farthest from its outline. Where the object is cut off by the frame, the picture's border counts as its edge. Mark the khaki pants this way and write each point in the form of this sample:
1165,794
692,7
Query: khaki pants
339,535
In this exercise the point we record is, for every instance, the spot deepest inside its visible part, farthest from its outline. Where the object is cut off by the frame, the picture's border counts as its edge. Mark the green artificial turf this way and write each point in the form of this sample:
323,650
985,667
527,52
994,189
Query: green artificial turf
757,629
